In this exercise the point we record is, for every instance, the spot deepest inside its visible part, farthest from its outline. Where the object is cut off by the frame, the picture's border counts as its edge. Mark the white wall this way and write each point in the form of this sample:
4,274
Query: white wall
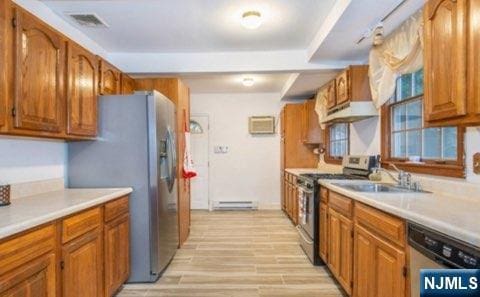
26,159
250,170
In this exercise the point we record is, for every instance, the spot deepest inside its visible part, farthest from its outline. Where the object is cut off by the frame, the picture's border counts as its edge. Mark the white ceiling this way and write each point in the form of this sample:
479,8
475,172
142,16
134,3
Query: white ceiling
306,84
232,83
197,25
301,45
361,15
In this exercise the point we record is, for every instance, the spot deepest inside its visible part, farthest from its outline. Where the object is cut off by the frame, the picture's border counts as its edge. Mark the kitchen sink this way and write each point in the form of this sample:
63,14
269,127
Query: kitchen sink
377,188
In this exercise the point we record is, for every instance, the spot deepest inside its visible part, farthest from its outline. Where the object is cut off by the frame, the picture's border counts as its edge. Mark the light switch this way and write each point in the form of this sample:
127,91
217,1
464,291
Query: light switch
220,149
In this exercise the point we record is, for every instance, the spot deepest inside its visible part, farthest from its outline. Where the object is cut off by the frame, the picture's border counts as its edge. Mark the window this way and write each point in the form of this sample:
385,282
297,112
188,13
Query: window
406,135
337,142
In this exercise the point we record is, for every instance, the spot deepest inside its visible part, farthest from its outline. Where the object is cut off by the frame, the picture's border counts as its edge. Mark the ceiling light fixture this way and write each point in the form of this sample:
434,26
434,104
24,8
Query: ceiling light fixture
251,19
248,81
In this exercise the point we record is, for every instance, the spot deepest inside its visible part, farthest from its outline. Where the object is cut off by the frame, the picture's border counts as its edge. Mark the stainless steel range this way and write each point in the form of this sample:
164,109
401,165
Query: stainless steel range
354,168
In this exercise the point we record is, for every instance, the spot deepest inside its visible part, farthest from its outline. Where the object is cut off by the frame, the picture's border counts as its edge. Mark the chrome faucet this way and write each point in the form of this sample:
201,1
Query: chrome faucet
403,179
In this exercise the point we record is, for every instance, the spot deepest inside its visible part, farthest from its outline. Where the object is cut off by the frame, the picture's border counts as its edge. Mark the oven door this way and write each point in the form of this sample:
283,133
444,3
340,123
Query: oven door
306,202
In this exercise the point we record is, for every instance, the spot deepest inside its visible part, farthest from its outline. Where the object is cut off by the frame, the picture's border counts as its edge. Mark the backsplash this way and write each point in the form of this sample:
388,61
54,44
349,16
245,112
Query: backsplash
27,159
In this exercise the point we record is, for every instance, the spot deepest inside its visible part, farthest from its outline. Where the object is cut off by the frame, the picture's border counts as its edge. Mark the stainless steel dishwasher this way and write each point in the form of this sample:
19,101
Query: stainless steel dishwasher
433,250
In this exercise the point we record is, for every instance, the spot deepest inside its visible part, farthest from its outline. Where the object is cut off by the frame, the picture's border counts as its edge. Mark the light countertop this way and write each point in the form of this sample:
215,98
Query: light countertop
28,212
298,171
453,216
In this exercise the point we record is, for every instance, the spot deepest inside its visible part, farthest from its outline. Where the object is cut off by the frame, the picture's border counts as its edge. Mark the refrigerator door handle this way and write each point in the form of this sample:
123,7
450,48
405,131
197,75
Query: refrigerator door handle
171,160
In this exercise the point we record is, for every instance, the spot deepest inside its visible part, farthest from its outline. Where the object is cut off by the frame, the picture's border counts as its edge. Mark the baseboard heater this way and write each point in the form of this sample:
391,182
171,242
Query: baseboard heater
235,205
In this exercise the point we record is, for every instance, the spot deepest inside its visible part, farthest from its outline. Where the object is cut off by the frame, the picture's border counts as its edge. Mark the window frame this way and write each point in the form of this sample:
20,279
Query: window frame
328,158
449,168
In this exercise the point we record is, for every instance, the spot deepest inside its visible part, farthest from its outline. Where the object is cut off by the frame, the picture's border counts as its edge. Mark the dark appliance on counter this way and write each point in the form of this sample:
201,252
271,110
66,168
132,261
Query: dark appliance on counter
354,168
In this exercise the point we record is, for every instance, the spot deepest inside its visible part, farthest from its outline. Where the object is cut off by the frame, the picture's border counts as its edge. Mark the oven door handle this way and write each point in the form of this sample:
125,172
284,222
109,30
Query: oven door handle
308,241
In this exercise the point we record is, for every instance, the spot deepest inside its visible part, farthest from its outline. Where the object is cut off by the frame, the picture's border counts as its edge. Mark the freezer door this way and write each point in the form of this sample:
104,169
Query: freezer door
163,162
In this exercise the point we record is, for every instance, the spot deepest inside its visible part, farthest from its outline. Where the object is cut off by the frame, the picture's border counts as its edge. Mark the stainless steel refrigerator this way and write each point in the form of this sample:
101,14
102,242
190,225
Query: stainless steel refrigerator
136,147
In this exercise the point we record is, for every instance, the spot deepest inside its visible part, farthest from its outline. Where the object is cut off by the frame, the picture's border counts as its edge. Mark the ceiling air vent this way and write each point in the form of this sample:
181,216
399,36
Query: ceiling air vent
88,20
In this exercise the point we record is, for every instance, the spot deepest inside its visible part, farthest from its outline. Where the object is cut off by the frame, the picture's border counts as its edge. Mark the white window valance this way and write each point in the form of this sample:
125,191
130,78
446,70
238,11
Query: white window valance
400,53
321,106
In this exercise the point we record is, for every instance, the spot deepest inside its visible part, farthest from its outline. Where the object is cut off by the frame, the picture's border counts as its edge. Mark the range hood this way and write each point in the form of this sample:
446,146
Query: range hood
351,112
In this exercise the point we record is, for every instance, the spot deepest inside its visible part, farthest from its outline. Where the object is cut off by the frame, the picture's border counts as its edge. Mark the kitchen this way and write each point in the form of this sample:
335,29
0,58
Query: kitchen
334,146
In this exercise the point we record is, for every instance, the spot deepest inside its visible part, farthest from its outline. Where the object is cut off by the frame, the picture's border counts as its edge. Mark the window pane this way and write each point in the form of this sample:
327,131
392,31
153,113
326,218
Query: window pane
414,115
418,82
414,143
399,117
449,143
398,146
432,143
405,87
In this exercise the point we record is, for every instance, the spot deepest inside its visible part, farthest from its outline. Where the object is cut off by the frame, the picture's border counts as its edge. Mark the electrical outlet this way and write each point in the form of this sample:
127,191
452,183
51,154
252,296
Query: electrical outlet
476,163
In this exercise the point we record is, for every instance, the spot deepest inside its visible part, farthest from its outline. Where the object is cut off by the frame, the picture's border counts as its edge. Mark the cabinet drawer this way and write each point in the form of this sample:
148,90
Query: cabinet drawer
115,208
324,195
80,224
383,224
340,203
22,249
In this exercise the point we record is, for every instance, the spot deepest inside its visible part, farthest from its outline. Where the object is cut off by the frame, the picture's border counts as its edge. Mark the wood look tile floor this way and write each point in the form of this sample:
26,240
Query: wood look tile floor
240,253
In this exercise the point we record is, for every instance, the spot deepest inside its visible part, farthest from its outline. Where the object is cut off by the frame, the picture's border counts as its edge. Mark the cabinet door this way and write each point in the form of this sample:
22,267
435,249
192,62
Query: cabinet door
331,95
379,266
342,87
323,229
82,261
445,59
109,79
117,253
340,260
333,242
295,204
474,56
39,74
36,278
82,91
128,84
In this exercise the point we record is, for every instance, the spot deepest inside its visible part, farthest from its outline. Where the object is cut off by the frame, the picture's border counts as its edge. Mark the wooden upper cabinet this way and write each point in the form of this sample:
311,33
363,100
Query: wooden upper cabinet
82,260
342,87
39,59
109,79
352,84
379,266
128,84
474,61
3,63
311,132
445,59
82,91
330,94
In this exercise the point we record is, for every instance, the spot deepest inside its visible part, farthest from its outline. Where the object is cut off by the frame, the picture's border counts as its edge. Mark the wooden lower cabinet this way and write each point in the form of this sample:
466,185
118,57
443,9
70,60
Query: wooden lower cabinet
340,249
117,253
323,229
80,255
379,266
34,279
82,266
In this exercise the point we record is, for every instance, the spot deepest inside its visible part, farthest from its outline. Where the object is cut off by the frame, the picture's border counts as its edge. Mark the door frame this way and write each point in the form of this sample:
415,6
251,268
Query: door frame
210,205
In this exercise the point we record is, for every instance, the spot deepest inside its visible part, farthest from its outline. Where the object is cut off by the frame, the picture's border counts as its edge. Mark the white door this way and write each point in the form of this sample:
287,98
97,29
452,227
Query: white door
199,146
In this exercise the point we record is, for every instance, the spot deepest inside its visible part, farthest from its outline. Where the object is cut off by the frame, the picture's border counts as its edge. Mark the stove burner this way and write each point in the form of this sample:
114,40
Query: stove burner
316,176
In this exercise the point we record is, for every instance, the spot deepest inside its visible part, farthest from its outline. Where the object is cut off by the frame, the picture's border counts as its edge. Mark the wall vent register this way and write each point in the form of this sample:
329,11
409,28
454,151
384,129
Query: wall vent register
261,125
